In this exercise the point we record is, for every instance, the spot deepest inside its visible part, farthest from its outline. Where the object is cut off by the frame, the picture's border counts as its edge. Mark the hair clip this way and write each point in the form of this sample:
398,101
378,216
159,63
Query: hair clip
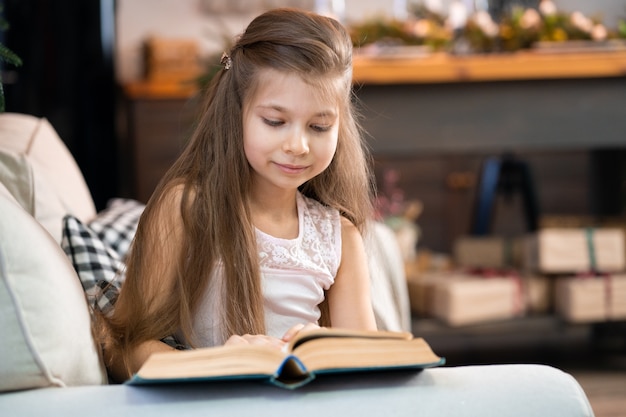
226,61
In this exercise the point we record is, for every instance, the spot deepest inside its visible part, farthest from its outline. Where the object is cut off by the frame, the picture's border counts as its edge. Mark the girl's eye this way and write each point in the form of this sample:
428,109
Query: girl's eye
320,128
273,123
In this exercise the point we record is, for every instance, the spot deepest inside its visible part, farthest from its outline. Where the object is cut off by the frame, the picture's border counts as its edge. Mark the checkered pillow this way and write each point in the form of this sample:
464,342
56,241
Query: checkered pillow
99,267
117,223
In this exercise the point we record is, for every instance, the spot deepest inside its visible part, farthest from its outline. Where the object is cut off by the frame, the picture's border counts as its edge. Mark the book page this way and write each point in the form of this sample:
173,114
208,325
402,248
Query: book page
331,332
354,353
211,362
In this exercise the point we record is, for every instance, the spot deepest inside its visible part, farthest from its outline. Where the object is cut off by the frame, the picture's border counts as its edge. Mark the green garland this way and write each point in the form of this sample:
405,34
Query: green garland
513,31
6,55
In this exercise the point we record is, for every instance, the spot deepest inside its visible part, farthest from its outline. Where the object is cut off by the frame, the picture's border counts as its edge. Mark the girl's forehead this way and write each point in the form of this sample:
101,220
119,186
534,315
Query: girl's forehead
325,90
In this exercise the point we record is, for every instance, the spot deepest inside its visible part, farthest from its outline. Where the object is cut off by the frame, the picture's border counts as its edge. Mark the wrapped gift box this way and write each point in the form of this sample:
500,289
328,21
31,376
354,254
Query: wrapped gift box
616,293
591,299
488,252
581,300
427,268
421,291
470,300
563,250
538,293
171,60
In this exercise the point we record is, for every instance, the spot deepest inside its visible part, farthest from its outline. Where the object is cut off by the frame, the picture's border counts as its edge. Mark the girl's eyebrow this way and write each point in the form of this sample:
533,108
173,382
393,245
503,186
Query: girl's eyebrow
280,109
273,107
326,113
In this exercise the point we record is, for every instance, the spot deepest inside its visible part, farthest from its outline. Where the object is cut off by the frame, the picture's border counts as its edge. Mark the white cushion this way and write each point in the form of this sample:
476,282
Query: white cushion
59,180
31,190
390,297
46,325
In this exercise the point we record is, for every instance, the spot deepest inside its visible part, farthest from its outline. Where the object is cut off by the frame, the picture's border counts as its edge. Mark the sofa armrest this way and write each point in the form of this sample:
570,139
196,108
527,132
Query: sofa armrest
497,390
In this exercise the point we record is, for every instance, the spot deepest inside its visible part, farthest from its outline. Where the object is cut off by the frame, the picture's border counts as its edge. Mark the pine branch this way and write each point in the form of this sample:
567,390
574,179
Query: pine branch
2,107
9,56
6,55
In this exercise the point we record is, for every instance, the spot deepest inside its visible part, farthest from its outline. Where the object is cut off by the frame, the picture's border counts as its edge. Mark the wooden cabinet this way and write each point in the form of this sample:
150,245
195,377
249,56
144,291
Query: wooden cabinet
158,129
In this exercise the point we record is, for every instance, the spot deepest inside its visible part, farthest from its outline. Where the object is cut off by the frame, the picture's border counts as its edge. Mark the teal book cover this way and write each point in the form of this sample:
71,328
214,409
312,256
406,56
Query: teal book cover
317,352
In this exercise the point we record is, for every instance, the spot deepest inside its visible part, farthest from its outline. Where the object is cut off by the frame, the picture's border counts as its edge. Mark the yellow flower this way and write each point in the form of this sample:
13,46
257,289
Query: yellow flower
506,32
559,35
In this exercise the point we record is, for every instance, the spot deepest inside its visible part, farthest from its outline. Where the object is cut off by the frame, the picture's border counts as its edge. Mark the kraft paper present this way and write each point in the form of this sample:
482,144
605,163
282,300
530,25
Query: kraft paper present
581,300
421,291
473,300
537,291
487,252
591,298
566,251
616,293
171,59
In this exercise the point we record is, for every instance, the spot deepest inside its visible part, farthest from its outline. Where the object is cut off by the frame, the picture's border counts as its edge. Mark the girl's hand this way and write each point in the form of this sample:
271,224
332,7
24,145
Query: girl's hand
256,339
291,333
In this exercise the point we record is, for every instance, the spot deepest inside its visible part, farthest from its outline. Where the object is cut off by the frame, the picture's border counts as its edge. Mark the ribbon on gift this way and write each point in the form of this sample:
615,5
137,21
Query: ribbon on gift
591,249
507,252
608,294
519,299
608,288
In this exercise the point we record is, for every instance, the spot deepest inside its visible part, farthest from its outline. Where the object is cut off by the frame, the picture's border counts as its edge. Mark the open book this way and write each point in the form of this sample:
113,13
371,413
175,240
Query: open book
308,354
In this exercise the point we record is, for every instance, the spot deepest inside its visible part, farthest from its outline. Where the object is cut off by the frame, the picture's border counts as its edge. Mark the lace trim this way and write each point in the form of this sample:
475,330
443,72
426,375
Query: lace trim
317,248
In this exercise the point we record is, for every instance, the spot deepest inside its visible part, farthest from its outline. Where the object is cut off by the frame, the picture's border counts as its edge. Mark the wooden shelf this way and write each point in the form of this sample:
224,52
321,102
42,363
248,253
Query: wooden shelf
445,68
151,90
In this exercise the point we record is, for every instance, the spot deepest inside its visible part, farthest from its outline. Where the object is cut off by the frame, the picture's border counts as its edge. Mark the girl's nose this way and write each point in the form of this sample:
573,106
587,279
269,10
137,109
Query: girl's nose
296,144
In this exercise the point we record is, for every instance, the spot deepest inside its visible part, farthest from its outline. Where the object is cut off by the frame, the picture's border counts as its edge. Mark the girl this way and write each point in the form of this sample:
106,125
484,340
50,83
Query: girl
255,231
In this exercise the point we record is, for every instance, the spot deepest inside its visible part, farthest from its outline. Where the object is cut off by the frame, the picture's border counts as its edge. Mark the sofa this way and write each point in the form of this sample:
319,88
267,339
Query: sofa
56,251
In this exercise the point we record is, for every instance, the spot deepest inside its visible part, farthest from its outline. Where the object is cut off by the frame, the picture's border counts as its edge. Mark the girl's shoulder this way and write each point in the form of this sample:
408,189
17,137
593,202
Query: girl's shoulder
321,223
314,208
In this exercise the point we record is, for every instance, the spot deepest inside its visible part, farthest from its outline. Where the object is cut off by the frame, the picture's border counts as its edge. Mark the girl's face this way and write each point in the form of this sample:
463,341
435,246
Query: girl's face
289,131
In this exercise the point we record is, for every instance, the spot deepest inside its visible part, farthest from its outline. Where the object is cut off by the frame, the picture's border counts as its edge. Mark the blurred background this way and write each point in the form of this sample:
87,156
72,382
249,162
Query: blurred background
489,120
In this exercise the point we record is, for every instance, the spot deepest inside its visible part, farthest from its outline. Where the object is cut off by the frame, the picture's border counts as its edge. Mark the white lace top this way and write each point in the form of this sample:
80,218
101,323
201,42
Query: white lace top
294,273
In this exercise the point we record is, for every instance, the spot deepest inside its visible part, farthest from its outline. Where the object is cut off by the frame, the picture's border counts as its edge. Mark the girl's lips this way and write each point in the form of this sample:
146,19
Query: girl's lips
291,169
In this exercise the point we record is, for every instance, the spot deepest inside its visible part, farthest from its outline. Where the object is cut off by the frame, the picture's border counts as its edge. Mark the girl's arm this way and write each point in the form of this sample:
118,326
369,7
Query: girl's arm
349,298
138,356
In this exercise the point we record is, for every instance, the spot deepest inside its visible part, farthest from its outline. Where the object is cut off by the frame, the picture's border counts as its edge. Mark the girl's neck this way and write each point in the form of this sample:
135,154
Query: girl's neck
275,215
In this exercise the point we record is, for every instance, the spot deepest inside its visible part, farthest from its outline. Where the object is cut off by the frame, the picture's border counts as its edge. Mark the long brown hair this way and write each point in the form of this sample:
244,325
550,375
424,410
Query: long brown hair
215,179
